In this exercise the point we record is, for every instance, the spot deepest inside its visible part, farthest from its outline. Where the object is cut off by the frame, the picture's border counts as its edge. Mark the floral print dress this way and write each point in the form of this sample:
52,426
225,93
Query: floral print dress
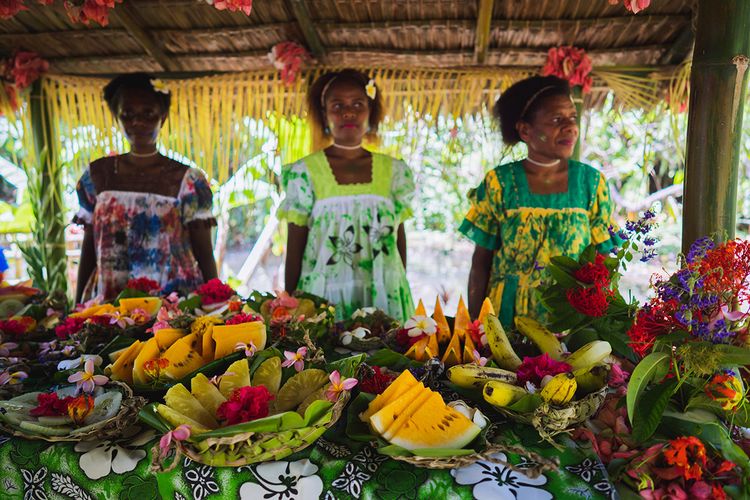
526,229
141,234
351,256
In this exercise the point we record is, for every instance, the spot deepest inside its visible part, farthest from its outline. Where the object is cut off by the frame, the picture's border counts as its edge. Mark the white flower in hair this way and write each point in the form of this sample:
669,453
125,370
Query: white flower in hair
370,89
159,86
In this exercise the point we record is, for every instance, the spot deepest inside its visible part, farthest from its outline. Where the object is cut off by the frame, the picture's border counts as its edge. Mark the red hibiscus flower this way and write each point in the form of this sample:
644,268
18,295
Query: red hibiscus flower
69,326
245,404
242,318
50,405
591,301
215,291
569,63
534,369
9,8
377,382
144,285
595,273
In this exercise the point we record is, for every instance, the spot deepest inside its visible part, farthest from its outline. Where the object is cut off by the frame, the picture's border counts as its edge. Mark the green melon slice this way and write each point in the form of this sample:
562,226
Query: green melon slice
435,425
404,382
236,376
178,398
207,393
383,419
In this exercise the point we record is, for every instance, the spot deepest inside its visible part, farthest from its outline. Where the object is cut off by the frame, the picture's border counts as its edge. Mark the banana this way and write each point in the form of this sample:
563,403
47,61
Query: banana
591,379
589,355
542,338
501,394
502,351
560,389
474,376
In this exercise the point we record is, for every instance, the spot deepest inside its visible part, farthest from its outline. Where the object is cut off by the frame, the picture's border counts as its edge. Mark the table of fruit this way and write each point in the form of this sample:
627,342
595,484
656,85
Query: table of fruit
212,395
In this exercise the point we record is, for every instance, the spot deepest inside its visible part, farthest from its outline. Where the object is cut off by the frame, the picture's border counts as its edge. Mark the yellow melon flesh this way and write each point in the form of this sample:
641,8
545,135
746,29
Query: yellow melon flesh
402,383
435,425
486,310
183,358
116,354
236,376
453,354
207,393
443,330
95,311
226,337
176,419
420,311
433,349
402,417
208,346
462,321
468,349
167,336
381,420
122,369
417,350
149,304
149,351
178,398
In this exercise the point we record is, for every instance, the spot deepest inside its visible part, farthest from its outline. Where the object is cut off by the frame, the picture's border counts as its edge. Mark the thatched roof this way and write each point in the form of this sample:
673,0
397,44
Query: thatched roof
190,36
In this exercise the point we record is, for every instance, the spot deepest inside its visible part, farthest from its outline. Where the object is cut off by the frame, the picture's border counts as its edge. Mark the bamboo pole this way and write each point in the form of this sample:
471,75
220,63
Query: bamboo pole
577,92
718,82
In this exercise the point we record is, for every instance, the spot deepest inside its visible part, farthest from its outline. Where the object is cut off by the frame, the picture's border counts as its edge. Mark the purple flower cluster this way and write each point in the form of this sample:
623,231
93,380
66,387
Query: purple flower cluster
699,248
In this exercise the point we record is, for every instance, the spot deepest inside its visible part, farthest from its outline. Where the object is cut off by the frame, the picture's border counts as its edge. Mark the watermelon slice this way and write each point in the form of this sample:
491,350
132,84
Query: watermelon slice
397,387
435,425
388,415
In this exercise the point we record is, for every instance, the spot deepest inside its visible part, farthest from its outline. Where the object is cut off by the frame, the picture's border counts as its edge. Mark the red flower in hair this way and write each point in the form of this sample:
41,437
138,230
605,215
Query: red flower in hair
569,63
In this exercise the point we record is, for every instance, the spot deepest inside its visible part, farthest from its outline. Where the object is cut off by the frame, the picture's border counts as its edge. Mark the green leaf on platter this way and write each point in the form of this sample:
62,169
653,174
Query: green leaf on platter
708,428
190,304
316,411
647,370
526,404
562,277
392,359
347,367
356,429
580,338
149,416
564,262
129,293
650,408
393,450
733,355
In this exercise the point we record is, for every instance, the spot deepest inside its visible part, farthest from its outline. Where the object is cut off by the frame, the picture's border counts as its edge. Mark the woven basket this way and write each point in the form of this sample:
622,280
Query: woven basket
550,420
249,448
109,428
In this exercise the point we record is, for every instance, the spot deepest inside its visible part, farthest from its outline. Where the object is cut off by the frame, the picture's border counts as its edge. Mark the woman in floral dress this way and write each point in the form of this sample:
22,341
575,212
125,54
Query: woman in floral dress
144,214
346,205
525,212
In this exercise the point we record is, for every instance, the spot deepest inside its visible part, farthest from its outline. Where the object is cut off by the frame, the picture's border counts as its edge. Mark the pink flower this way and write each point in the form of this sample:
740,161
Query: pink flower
288,58
87,380
338,386
250,350
6,347
534,369
9,8
8,378
569,63
181,433
283,299
27,68
120,320
295,359
245,6
479,359
617,376
635,6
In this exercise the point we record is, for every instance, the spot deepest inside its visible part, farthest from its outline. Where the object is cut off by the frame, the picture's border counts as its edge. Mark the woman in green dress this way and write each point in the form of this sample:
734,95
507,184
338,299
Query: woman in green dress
525,212
345,206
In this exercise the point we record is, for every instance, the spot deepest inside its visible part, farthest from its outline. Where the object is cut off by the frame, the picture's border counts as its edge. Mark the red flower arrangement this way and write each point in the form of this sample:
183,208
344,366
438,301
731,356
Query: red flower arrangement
376,382
25,67
243,318
244,405
144,285
215,291
69,326
569,63
9,8
534,369
288,57
404,340
592,301
12,327
594,273
90,10
245,6
50,405
80,407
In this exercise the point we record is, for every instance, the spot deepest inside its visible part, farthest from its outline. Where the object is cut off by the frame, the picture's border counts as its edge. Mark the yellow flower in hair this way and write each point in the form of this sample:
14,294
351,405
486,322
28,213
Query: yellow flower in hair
370,89
159,86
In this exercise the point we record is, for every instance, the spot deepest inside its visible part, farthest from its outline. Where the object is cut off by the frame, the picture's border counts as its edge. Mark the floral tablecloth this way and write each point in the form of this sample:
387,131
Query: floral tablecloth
334,467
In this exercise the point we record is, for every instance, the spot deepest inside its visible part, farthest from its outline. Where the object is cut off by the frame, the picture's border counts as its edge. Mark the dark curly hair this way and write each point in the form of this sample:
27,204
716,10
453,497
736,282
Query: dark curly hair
140,81
524,98
326,82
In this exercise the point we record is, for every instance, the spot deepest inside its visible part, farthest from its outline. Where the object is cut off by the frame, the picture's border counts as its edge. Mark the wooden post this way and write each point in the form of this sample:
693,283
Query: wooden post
49,234
577,92
718,82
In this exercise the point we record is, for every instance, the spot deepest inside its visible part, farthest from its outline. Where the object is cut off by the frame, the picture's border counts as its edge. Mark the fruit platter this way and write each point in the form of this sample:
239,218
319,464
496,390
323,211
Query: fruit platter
224,382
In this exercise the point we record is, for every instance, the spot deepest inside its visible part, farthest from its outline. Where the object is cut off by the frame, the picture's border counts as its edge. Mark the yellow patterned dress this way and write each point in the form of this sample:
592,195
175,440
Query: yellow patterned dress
526,229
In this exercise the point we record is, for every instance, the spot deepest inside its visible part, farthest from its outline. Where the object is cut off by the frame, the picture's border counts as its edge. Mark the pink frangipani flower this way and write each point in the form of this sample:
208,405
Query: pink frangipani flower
86,380
181,433
338,386
295,359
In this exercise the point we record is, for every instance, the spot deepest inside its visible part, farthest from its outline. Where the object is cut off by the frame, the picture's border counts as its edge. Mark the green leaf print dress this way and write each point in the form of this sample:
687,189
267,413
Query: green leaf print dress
351,256
526,229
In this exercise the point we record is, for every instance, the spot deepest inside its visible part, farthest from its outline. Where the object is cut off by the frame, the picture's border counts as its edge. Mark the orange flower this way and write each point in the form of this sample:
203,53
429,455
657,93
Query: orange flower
726,388
80,407
687,454
154,367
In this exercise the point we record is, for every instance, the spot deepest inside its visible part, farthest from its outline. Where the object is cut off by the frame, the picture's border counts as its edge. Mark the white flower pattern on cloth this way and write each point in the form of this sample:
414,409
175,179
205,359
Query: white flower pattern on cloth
118,455
495,481
200,478
33,484
284,481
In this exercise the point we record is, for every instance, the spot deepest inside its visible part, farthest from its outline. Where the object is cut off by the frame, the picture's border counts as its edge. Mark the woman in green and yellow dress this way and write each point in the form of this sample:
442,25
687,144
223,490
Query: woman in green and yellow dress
525,212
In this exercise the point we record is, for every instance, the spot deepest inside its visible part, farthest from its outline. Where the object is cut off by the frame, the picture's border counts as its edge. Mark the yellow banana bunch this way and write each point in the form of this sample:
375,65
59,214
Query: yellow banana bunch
502,394
589,355
472,376
542,338
591,379
560,389
502,351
